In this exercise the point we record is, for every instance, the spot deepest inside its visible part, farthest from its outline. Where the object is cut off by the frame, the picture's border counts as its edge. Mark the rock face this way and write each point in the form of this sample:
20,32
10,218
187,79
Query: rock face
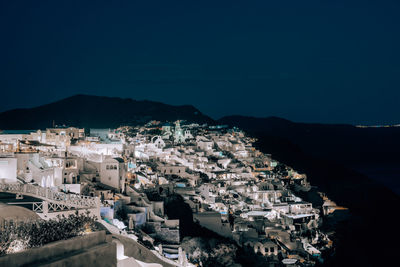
97,112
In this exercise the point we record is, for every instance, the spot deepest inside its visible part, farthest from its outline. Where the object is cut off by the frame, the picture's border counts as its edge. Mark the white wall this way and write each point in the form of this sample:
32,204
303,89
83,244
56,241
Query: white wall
8,169
75,188
110,177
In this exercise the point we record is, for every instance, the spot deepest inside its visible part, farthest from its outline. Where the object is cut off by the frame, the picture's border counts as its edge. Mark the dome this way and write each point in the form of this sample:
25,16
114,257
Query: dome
16,213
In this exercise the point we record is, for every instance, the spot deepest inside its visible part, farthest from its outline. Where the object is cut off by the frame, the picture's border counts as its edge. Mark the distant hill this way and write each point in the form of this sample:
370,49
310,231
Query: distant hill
97,112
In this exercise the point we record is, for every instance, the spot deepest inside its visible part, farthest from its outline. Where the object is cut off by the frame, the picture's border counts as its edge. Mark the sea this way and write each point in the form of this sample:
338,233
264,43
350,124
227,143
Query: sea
386,174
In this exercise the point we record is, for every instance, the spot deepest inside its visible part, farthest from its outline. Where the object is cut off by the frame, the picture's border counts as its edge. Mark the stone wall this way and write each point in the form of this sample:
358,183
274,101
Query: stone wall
169,235
164,233
94,249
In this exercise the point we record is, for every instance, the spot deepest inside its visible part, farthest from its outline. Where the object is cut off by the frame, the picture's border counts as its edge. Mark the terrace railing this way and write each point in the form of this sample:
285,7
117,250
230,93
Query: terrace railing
59,200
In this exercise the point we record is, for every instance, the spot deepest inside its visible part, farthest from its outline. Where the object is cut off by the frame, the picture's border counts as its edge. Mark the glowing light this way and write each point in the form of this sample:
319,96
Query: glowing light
17,246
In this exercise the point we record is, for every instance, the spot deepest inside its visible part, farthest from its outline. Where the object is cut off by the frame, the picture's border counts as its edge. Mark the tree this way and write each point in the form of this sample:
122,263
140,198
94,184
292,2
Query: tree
122,213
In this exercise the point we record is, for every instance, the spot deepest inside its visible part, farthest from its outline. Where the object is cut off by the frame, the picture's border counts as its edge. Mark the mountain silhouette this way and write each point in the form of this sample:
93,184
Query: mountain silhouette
97,112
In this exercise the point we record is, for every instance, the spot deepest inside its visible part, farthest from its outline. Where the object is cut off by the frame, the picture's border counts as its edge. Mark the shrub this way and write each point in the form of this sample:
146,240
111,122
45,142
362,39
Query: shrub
21,236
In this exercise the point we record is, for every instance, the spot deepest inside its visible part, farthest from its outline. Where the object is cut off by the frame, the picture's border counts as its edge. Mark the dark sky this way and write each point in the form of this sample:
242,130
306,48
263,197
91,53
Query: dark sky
318,61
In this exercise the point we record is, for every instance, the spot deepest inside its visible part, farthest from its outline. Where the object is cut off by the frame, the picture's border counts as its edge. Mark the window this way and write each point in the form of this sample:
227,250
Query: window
272,250
107,167
65,180
266,250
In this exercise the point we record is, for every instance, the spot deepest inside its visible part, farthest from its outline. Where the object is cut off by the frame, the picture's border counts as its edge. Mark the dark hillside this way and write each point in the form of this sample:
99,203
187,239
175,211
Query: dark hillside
97,112
310,149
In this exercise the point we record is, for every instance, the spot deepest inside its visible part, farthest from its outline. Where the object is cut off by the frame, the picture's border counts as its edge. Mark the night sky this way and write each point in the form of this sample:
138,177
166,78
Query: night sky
312,61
